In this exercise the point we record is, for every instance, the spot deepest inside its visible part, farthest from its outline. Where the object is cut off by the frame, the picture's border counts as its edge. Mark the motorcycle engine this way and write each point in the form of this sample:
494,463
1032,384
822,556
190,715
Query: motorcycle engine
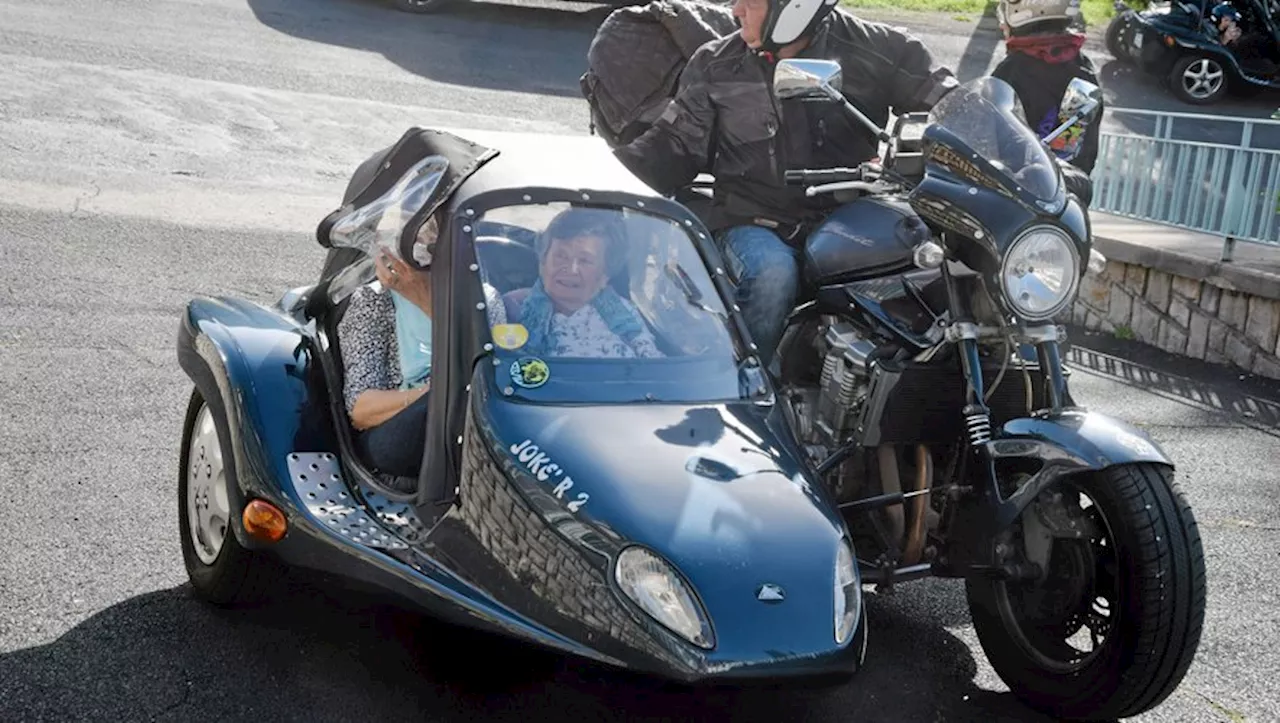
826,414
843,385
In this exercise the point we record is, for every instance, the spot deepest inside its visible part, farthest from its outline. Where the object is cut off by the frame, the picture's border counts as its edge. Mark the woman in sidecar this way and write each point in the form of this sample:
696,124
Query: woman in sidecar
603,473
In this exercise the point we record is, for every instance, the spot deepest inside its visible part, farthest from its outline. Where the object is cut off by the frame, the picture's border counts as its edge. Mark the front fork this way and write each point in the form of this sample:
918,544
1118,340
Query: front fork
984,507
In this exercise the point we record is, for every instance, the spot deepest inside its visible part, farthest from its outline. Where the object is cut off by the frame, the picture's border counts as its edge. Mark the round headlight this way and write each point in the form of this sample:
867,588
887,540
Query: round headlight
1040,273
848,593
653,584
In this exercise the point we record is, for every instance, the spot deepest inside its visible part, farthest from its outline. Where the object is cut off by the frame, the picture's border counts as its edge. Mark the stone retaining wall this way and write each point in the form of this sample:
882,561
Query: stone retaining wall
1187,306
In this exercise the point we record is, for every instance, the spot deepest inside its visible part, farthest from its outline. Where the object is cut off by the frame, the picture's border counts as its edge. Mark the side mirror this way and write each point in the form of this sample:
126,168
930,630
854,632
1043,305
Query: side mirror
807,79
1079,107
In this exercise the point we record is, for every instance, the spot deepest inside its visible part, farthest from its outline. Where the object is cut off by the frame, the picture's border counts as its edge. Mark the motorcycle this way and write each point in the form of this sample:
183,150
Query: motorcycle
922,372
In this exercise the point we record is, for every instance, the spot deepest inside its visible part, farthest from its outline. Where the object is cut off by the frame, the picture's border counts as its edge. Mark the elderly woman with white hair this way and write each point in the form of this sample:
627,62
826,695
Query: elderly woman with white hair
385,336
572,311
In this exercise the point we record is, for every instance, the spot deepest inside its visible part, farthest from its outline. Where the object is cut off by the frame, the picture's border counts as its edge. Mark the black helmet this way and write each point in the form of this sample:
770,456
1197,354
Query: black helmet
790,20
1224,10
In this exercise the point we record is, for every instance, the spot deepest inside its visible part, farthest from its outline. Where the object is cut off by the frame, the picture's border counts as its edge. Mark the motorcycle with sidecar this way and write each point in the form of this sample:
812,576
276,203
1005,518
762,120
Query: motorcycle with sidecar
1176,42
683,512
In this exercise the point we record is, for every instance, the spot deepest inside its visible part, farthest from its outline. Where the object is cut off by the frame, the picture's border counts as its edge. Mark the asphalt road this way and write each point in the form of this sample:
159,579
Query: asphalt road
151,151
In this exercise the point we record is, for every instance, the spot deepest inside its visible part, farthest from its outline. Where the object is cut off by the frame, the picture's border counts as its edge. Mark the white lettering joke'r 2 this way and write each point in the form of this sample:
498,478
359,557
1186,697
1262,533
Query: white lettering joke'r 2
540,465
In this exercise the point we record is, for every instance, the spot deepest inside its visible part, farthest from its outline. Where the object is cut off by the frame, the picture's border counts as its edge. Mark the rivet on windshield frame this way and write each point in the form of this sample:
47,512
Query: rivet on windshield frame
466,229
497,362
586,197
753,346
737,308
488,347
640,204
471,212
649,396
978,235
973,191
475,267
508,391
527,197
467,388
459,439
719,271
480,306
687,222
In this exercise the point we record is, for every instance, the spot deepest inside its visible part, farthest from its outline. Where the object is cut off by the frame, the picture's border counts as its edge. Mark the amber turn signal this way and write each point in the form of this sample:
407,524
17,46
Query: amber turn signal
264,521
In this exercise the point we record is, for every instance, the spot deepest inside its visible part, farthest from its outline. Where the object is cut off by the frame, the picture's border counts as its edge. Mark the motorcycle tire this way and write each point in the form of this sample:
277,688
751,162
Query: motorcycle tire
1158,572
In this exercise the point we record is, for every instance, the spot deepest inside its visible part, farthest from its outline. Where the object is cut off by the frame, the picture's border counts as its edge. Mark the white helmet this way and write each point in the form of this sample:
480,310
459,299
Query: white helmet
1020,13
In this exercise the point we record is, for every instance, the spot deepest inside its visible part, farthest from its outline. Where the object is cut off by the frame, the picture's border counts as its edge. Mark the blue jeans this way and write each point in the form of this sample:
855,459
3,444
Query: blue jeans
395,446
767,274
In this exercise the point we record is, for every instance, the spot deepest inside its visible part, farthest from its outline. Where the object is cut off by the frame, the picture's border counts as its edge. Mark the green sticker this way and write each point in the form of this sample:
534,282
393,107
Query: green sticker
530,372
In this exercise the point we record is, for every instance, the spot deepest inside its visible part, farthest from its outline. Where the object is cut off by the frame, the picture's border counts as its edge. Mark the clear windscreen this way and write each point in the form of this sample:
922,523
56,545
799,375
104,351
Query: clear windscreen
381,222
588,301
985,115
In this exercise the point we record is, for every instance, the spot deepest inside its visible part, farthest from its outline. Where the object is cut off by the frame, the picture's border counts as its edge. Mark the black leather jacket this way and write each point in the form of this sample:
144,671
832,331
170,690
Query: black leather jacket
725,120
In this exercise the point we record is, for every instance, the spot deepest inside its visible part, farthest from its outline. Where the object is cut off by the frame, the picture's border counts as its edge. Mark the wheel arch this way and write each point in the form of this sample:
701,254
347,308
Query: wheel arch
252,368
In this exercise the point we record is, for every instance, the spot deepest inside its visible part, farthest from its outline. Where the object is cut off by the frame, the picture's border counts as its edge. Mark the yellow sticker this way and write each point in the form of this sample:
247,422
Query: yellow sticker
510,336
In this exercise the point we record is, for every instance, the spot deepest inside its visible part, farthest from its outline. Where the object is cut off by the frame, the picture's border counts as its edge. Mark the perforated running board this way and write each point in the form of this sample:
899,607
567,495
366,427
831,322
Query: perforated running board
377,522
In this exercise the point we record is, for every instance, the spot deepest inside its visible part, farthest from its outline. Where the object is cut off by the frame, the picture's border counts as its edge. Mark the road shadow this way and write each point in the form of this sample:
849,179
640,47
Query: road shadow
1247,399
980,51
318,652
508,47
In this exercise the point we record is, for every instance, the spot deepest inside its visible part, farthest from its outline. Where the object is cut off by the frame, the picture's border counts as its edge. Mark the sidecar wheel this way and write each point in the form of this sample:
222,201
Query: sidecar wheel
221,571
1137,579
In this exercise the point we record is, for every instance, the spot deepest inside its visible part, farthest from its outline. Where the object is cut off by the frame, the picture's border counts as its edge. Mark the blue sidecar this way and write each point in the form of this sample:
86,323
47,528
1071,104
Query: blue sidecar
624,490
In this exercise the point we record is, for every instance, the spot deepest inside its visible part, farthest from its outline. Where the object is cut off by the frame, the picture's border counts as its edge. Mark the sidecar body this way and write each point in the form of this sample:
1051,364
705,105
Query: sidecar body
644,509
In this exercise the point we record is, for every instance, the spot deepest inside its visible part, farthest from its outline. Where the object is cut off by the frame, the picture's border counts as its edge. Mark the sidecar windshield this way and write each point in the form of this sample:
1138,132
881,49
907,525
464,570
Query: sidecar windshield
985,115
600,304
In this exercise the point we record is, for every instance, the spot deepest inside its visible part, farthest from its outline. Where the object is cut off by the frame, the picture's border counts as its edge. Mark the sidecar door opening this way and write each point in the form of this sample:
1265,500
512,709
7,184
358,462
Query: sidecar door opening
389,199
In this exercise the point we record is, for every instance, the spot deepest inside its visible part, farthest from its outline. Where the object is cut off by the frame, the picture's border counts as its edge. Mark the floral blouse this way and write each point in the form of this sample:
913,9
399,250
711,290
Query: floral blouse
584,334
367,335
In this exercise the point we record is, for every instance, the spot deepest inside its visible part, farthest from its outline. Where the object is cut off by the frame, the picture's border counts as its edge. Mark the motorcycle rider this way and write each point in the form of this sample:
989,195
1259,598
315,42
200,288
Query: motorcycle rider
1250,47
725,119
1043,55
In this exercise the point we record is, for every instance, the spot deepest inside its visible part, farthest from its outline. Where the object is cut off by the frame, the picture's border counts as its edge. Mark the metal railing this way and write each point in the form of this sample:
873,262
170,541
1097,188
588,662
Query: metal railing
1216,188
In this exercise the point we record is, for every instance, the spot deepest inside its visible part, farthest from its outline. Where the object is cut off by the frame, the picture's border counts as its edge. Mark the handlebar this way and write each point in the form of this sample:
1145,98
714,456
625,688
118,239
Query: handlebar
807,177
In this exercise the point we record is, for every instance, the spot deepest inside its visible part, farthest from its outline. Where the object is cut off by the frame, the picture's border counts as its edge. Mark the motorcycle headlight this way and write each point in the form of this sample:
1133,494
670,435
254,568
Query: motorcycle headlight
848,589
1039,273
655,586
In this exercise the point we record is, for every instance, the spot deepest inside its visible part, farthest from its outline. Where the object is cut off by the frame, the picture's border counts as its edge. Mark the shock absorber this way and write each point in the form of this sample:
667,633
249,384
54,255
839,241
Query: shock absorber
977,421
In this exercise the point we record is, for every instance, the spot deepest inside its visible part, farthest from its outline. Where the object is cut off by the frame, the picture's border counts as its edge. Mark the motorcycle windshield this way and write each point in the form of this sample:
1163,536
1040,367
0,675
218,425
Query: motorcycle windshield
601,304
986,115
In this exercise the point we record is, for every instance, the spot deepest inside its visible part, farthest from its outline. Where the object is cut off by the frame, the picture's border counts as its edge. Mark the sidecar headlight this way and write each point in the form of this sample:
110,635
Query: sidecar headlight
848,592
654,585
1040,272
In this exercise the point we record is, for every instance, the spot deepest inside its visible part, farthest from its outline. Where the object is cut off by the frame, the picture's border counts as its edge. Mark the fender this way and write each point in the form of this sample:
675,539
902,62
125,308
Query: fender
1068,443
253,367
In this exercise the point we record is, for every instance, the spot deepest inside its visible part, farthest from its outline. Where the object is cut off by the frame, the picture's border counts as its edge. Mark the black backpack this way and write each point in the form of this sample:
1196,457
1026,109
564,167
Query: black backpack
635,60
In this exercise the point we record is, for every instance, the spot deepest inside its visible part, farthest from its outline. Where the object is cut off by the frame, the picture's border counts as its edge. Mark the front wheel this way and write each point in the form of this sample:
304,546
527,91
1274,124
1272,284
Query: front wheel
221,571
1111,625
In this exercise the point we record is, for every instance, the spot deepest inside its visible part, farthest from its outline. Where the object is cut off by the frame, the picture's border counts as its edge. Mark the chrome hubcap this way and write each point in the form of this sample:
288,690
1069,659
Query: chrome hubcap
208,511
1202,78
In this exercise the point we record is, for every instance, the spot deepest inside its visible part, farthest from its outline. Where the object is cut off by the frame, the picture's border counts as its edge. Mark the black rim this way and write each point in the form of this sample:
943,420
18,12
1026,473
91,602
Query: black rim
1064,620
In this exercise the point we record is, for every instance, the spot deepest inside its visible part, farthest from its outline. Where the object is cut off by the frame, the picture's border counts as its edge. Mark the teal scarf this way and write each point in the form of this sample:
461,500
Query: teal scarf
413,336
538,311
